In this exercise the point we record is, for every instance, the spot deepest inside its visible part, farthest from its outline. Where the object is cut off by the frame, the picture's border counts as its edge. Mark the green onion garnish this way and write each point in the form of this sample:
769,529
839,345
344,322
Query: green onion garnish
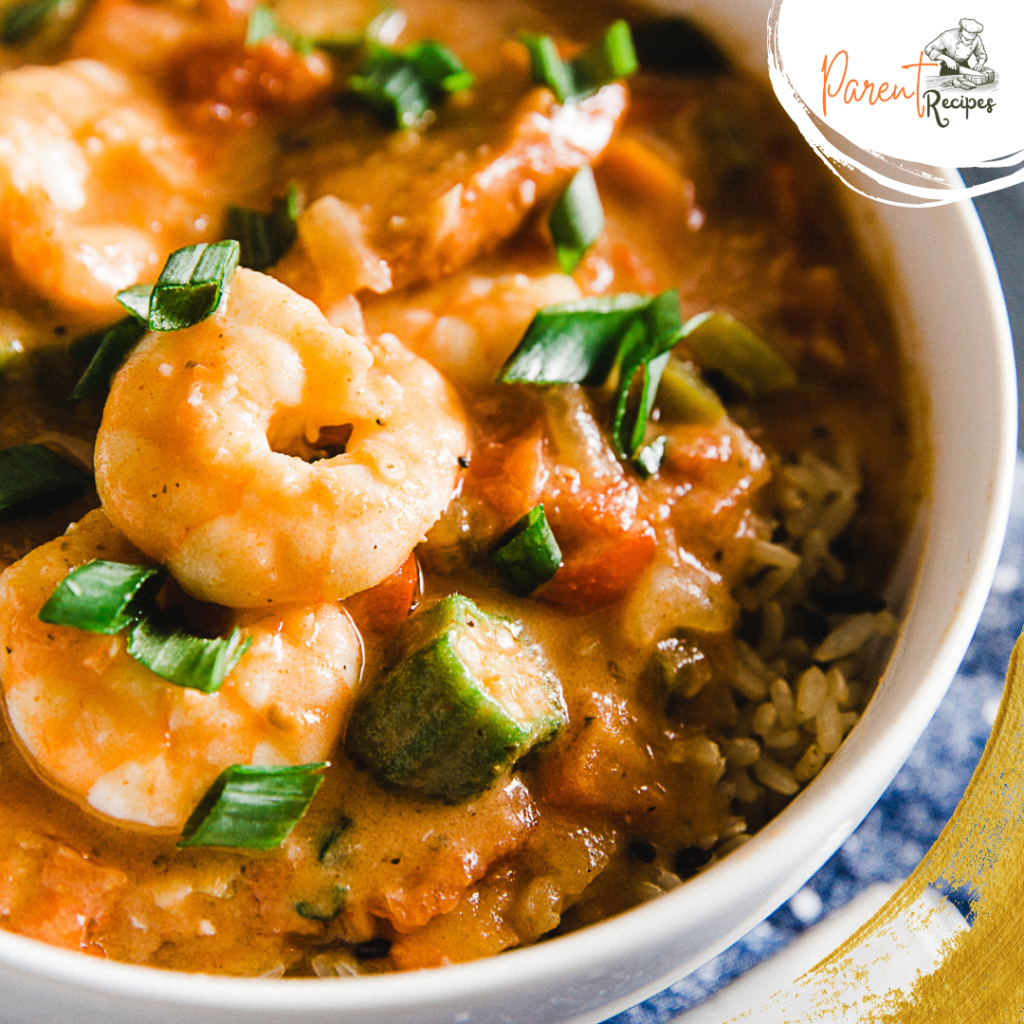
34,478
576,220
136,300
582,342
528,555
106,597
113,349
192,284
648,459
718,342
181,658
103,597
21,21
611,57
403,84
263,22
263,238
252,806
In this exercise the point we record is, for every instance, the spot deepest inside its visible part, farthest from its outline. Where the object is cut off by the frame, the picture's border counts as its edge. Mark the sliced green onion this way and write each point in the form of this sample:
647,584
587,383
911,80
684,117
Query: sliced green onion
573,342
645,351
648,459
402,84
181,658
103,597
528,555
611,57
113,349
576,220
263,238
263,22
34,478
192,284
547,67
85,346
253,806
440,68
137,300
718,342
683,397
582,342
22,21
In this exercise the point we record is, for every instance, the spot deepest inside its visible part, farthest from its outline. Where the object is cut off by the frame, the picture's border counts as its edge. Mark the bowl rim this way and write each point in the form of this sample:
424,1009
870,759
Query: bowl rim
597,945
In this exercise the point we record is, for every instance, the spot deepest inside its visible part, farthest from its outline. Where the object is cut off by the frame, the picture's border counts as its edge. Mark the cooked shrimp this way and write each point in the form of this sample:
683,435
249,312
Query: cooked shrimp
73,137
427,203
468,324
199,458
117,739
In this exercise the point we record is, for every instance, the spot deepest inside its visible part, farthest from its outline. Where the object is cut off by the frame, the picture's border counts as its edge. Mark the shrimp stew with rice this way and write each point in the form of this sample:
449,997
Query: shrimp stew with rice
485,460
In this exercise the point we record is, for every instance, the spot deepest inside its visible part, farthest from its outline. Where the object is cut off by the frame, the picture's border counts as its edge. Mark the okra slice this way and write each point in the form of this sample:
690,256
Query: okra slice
467,701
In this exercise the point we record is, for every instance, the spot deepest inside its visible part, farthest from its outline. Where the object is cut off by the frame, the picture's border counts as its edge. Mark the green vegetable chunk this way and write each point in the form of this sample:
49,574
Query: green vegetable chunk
33,477
611,57
113,349
181,658
263,238
718,342
136,300
192,284
253,806
22,21
103,597
683,397
576,220
403,84
528,555
468,700
582,342
648,459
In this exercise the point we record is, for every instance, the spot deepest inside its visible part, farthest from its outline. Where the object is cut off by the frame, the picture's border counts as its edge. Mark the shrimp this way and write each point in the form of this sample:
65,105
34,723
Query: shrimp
104,730
98,182
200,458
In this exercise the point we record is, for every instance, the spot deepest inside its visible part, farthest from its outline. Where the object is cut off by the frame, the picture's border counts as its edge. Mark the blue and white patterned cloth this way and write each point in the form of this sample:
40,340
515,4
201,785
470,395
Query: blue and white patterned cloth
914,809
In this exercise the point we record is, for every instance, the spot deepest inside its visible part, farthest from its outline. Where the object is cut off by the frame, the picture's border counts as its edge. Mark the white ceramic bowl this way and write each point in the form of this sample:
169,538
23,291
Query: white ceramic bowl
953,322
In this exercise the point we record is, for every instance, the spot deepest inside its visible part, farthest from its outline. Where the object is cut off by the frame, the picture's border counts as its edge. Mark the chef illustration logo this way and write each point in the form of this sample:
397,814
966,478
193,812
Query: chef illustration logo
963,67
962,58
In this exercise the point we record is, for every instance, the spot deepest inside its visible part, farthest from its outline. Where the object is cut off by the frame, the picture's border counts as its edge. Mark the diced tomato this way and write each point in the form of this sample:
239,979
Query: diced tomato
386,606
603,571
509,476
233,84
605,546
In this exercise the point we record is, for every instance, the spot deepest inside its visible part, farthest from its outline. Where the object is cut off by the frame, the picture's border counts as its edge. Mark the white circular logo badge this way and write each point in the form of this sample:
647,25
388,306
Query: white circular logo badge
889,94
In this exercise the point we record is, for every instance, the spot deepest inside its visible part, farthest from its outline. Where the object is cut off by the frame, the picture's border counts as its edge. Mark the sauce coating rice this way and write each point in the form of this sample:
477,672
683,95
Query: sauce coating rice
507,761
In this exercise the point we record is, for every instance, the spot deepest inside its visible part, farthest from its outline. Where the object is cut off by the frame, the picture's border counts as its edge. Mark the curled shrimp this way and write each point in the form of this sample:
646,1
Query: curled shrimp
72,136
201,458
108,733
